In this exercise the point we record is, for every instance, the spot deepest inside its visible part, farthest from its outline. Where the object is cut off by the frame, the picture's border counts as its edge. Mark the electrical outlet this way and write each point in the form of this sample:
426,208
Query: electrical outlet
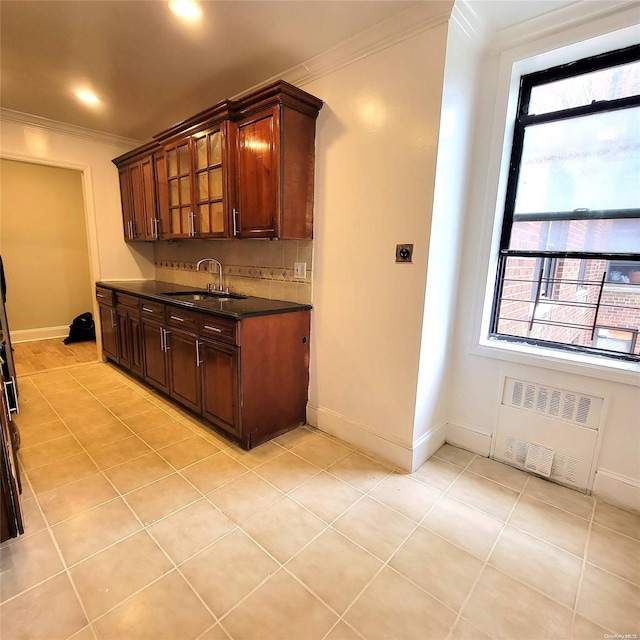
300,270
404,253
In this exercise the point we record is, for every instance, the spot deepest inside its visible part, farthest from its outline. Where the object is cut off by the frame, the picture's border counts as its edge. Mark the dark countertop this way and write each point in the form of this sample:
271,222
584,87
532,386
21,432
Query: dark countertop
231,308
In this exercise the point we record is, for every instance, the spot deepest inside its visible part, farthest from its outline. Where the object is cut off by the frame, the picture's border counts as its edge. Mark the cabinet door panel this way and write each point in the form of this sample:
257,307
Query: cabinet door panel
185,371
257,172
135,361
123,338
155,359
220,385
127,204
108,326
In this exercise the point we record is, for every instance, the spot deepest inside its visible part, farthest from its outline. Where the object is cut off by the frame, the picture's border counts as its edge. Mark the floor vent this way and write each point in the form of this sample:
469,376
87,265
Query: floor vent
548,431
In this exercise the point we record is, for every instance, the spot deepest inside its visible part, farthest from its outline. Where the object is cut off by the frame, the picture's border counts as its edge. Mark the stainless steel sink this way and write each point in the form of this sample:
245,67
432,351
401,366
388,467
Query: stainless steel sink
195,296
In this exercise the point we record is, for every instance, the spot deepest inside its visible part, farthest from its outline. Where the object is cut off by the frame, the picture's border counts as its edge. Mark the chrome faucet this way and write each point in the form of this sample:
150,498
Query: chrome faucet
210,285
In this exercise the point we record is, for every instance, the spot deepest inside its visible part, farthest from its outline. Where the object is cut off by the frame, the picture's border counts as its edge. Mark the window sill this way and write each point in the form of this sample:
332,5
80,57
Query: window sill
576,364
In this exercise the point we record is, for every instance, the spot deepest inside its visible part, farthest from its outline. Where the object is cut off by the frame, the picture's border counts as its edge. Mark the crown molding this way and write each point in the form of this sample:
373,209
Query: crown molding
9,115
472,26
420,17
554,22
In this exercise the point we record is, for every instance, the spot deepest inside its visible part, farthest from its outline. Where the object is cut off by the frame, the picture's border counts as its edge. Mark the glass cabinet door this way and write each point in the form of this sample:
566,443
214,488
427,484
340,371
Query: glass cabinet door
181,215
209,180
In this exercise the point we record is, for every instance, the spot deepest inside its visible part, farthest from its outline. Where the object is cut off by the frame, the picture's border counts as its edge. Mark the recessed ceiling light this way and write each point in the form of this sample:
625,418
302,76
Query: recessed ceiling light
87,96
186,9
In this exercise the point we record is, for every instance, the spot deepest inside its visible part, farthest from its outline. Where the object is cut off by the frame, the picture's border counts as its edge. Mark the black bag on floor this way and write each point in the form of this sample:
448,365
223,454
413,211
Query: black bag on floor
82,329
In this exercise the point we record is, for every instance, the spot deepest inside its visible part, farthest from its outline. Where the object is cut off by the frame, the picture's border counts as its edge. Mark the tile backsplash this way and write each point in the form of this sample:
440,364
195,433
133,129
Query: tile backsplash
261,268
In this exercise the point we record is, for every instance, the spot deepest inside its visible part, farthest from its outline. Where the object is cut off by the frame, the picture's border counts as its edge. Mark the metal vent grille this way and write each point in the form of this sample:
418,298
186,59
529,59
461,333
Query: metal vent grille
570,406
542,460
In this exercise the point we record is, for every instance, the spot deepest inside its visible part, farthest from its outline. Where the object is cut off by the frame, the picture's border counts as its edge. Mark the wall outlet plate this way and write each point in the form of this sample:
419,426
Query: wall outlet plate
404,253
300,270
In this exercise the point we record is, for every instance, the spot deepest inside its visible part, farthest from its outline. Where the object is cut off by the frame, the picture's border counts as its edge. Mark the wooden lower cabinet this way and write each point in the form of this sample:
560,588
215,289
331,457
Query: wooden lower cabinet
156,368
220,385
128,334
184,368
109,328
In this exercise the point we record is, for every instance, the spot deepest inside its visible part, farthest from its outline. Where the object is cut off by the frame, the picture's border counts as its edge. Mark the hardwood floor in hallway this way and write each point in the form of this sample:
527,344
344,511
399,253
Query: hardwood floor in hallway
45,355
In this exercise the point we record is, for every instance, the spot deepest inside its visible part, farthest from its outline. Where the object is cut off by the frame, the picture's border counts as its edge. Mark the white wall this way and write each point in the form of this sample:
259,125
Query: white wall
48,143
375,167
478,371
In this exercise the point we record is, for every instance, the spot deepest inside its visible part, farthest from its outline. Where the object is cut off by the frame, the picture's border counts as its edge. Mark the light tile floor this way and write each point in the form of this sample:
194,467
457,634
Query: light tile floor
142,523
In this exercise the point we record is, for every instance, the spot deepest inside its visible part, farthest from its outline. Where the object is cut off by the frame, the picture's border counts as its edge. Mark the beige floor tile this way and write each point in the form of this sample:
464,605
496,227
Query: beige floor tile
186,452
504,608
208,433
162,497
89,419
57,474
36,416
93,530
244,497
332,560
359,471
609,601
438,473
74,498
486,495
454,455
375,527
326,496
499,472
118,452
615,553
165,435
30,436
287,471
188,531
152,418
51,610
391,608
473,530
294,437
321,451
464,630
106,579
406,495
32,518
131,408
227,571
84,634
25,562
153,613
342,631
281,608
562,497
138,472
256,456
440,568
117,396
617,519
78,408
538,564
41,454
213,472
95,438
558,527
284,528
582,629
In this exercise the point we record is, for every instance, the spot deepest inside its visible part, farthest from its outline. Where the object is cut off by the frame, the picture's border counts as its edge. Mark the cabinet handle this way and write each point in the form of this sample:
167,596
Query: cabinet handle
6,397
192,223
156,223
178,318
198,361
14,389
152,229
162,339
99,295
113,318
129,230
147,309
235,222
206,326
134,230
166,339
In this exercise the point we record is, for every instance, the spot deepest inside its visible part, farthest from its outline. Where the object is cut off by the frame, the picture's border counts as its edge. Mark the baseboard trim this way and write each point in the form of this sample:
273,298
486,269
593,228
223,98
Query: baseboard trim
425,446
44,333
470,438
617,489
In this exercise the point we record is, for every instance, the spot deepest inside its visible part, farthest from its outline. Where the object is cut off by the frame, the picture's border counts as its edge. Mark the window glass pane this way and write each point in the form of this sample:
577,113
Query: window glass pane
203,211
203,187
174,199
216,148
607,84
172,163
591,162
201,153
567,303
217,217
185,191
597,236
215,177
183,159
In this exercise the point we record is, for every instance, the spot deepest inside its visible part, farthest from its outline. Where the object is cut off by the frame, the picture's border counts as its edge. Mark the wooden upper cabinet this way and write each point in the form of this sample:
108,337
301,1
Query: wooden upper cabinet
243,169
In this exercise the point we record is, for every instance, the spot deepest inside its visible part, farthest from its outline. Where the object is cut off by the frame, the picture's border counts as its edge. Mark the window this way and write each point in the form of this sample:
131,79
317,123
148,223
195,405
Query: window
569,260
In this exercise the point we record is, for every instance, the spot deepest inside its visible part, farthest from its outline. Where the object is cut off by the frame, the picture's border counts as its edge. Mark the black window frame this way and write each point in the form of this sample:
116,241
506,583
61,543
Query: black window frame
522,121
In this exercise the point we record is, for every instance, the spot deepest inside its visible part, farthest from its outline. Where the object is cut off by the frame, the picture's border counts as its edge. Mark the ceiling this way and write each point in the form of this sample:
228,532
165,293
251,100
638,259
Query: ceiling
151,70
